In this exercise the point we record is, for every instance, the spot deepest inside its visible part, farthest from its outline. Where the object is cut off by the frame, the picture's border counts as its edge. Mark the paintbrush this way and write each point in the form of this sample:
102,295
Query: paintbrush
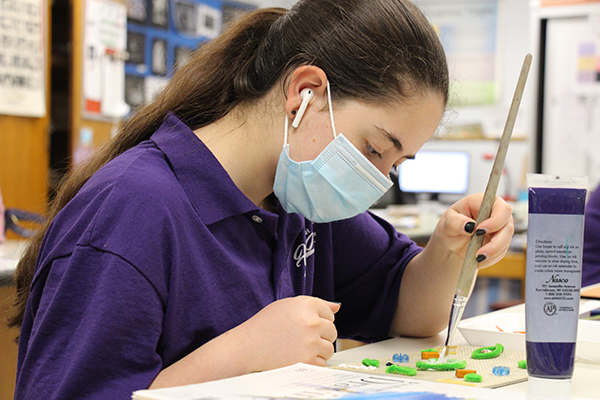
469,267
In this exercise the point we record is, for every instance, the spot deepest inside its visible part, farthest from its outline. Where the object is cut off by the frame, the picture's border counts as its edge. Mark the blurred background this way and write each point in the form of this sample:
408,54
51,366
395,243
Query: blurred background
71,70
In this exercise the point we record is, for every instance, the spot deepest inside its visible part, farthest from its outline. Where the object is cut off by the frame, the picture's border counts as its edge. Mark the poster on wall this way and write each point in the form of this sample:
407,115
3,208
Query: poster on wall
586,60
210,21
159,57
468,31
105,42
184,17
137,10
159,12
22,58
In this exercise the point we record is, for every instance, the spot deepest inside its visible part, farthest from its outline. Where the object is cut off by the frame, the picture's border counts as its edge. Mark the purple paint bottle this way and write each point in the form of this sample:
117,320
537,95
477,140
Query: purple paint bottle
554,251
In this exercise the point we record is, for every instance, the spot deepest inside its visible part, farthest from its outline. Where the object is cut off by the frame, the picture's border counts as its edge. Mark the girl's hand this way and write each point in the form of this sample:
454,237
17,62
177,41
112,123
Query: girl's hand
291,330
287,331
456,226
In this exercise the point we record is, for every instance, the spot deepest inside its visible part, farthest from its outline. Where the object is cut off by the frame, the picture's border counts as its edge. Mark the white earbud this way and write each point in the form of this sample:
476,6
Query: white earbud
306,95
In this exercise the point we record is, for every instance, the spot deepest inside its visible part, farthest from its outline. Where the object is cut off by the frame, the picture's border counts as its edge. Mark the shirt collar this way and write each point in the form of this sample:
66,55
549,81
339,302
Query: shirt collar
208,186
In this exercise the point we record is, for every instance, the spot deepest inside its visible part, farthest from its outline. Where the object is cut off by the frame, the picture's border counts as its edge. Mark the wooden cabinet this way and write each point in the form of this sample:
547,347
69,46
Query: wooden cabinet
512,266
8,346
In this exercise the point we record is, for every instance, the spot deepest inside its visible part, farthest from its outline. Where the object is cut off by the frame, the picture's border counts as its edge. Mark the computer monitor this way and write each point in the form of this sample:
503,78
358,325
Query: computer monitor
435,172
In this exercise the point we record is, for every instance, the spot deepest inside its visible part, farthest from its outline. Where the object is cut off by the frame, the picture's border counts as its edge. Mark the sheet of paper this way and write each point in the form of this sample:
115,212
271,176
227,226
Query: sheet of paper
303,381
105,42
23,29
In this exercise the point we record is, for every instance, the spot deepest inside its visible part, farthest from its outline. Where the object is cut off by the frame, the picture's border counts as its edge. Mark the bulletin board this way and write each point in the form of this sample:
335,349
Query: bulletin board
137,46
161,36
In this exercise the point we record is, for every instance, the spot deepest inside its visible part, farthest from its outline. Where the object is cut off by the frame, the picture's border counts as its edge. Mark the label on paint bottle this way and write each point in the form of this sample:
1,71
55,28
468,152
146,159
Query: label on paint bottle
554,276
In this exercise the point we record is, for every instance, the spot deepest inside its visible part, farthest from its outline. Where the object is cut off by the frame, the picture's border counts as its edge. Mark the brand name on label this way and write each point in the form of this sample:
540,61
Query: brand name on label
557,279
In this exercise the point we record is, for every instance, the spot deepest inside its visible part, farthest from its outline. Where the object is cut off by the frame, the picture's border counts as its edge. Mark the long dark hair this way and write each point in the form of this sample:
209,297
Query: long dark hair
371,50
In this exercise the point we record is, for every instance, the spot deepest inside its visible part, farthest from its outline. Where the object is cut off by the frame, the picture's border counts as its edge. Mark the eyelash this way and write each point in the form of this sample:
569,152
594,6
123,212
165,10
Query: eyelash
372,151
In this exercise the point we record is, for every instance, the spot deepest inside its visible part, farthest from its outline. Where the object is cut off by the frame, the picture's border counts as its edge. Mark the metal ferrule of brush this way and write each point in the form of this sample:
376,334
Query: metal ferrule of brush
458,307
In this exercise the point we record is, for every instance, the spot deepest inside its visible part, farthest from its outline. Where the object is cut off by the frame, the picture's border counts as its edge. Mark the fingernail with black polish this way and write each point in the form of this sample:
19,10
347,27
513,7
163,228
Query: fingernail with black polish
481,258
469,227
480,232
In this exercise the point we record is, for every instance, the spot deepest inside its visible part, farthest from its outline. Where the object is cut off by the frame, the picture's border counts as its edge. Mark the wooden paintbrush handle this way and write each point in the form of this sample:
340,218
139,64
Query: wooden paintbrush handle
467,273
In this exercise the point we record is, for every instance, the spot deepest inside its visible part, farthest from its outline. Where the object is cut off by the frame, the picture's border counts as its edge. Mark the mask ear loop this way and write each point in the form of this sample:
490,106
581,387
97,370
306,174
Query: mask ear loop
330,110
287,122
285,131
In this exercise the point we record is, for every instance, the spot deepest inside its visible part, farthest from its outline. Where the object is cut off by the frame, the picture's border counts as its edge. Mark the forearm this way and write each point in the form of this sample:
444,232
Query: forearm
426,293
222,357
287,331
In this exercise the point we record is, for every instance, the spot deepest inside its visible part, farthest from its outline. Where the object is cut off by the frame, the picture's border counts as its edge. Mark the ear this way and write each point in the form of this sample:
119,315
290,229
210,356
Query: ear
306,77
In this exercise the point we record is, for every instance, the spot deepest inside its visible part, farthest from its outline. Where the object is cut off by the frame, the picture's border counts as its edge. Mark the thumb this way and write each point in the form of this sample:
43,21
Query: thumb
334,306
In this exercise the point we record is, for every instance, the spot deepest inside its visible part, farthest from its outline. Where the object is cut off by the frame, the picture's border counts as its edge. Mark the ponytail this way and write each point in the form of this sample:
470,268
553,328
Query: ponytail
213,82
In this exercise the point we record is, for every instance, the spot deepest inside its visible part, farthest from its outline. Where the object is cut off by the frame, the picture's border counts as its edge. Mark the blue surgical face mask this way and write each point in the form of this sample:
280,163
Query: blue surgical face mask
339,184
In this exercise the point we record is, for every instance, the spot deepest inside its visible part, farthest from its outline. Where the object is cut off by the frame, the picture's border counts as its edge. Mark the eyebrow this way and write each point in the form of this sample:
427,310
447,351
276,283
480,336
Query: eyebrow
388,136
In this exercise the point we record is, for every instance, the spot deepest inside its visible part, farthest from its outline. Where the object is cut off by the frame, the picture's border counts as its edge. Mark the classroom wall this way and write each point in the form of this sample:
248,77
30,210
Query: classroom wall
569,135
23,174
24,164
24,154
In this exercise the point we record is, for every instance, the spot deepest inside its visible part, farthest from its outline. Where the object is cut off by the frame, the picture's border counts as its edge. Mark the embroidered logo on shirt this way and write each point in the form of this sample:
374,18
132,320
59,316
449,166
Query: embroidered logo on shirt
306,249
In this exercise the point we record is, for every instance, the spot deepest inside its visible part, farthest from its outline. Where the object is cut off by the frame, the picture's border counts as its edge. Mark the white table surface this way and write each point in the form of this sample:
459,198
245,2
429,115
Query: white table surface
586,377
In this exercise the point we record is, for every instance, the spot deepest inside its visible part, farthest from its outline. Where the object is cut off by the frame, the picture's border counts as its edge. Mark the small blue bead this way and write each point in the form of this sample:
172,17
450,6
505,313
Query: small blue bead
396,357
501,371
404,358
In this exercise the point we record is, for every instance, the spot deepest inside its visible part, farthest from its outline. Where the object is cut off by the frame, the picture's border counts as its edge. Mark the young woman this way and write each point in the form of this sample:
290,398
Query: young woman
223,230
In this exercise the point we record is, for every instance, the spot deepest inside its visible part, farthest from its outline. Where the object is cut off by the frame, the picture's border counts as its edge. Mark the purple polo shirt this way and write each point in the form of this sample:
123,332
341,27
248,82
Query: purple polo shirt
160,252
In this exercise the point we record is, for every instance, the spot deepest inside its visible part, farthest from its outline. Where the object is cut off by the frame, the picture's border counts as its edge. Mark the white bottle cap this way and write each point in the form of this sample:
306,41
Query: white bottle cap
550,387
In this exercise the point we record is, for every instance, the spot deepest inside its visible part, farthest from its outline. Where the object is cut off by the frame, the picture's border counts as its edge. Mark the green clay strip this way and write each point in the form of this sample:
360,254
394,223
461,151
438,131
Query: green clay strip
428,350
447,366
370,363
522,364
396,369
473,377
495,351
